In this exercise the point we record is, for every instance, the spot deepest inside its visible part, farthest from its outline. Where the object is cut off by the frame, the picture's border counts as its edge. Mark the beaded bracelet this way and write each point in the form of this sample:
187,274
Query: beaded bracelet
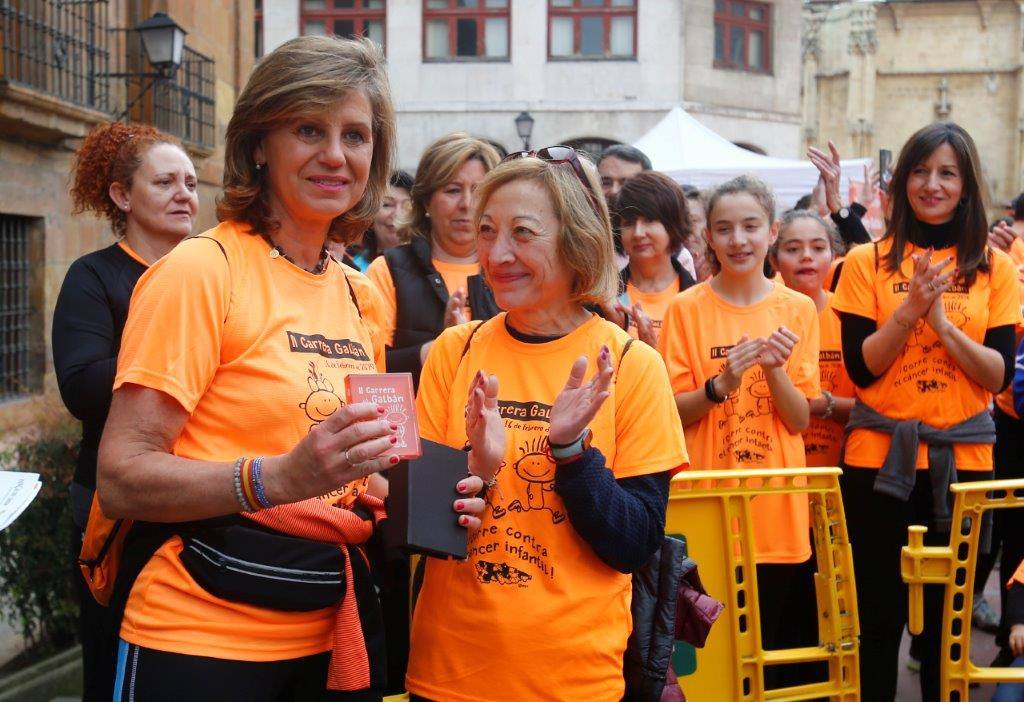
257,484
250,494
239,492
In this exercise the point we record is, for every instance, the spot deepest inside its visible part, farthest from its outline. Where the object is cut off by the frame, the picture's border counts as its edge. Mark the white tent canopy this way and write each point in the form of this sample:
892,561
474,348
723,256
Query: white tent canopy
689,152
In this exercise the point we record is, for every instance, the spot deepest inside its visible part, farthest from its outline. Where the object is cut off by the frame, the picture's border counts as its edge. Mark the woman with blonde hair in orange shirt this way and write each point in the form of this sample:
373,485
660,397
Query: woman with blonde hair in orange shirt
576,501
228,435
742,355
433,281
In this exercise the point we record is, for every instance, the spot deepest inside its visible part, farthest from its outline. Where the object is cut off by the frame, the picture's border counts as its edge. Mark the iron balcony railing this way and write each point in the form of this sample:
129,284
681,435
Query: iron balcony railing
182,105
58,47
66,49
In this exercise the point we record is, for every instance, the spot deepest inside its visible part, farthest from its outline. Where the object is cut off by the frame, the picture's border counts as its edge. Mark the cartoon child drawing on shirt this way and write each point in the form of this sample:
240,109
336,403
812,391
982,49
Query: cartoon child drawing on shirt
321,402
538,470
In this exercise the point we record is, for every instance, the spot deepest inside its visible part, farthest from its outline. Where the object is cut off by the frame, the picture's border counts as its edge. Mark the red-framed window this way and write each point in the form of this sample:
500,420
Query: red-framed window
466,30
592,29
346,18
743,35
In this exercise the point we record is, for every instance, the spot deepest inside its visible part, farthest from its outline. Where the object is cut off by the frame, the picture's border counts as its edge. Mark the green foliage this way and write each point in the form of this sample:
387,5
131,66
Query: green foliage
36,587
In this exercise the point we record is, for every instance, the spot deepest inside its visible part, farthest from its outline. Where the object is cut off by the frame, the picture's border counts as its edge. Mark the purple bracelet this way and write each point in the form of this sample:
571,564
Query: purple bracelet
257,483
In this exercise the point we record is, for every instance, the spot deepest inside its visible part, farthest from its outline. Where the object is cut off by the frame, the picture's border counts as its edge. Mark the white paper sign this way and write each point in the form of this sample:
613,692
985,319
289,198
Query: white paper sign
17,490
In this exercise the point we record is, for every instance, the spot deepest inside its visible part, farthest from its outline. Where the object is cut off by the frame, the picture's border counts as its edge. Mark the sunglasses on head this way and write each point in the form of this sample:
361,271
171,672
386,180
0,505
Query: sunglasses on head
557,155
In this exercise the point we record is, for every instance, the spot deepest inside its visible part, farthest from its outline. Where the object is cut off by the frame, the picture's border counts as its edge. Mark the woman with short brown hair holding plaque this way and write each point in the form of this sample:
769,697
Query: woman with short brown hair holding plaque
228,435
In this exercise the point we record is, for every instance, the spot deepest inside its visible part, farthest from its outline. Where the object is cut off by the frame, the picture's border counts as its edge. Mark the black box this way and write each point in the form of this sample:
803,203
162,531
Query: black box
420,498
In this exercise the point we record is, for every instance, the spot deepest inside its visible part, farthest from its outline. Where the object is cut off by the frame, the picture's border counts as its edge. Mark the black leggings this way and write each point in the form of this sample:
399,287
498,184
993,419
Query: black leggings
789,619
146,675
877,525
1008,460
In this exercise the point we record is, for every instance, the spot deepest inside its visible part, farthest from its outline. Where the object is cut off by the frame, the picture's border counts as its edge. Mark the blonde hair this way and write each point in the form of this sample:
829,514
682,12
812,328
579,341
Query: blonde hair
585,244
437,167
305,75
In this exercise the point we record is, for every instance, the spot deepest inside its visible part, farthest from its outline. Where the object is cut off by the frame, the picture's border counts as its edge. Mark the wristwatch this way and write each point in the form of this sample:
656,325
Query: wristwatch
571,452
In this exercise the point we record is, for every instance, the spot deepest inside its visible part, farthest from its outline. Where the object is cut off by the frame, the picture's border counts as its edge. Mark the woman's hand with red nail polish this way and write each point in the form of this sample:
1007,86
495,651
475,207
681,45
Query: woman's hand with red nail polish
470,508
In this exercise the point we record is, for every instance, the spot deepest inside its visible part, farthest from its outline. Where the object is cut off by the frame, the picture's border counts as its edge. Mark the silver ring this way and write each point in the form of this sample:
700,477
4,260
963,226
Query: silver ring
931,285
347,459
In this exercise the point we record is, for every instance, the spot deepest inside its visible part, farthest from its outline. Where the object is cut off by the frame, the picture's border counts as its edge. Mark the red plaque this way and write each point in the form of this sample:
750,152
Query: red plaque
393,392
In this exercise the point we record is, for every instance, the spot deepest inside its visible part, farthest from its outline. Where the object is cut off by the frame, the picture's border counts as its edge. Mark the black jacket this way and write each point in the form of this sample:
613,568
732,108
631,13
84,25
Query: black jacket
851,229
420,299
649,649
88,321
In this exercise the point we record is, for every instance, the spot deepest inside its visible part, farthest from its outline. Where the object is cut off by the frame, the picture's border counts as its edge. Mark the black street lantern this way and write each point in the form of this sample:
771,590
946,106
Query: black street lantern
163,41
524,127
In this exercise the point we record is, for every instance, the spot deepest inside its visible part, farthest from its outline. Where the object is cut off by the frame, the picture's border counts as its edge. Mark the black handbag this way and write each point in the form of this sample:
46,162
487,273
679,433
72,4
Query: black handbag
258,566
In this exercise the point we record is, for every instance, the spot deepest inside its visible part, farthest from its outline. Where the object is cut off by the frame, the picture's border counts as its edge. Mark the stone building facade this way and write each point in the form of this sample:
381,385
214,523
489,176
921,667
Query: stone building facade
55,84
876,72
589,73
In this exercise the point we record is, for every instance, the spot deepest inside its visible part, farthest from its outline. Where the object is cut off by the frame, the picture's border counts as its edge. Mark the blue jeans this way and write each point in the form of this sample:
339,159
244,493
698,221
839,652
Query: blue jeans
1010,692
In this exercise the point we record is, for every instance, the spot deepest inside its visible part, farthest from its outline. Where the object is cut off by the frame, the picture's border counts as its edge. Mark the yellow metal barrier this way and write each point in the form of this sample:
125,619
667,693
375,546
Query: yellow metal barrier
712,510
953,566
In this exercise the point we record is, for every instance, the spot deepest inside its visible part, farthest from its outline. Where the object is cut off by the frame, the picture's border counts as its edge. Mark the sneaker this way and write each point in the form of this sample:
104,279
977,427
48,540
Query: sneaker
984,617
913,665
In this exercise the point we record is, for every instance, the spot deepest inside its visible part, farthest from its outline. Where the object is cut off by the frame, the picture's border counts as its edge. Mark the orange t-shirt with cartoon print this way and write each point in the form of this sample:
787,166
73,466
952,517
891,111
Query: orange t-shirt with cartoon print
256,350
454,275
745,432
924,382
533,613
824,437
654,304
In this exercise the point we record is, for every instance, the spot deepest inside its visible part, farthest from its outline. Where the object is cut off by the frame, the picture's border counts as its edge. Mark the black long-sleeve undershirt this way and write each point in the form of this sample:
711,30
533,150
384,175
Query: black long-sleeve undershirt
622,520
851,229
855,329
88,321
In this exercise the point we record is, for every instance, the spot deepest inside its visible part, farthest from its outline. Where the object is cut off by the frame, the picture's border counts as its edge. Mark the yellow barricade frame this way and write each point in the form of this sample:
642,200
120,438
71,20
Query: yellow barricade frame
954,566
732,664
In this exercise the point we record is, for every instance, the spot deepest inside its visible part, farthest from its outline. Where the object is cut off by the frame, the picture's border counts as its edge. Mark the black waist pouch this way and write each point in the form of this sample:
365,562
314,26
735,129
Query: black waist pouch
262,567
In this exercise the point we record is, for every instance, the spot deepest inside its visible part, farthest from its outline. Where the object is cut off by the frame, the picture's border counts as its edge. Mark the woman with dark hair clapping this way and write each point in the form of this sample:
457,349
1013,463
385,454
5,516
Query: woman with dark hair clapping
928,315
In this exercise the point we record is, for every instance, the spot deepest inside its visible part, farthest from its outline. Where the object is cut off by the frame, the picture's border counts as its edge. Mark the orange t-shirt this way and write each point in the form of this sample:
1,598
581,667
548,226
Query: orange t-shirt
924,382
533,613
1018,576
827,283
654,304
454,275
745,431
132,253
257,351
823,437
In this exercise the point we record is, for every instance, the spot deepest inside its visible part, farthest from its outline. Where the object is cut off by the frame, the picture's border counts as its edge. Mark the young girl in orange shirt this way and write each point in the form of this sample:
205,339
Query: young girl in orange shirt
742,356
804,254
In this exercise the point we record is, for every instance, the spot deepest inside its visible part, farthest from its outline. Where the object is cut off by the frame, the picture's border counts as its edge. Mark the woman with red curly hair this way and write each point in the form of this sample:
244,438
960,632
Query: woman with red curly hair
144,184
